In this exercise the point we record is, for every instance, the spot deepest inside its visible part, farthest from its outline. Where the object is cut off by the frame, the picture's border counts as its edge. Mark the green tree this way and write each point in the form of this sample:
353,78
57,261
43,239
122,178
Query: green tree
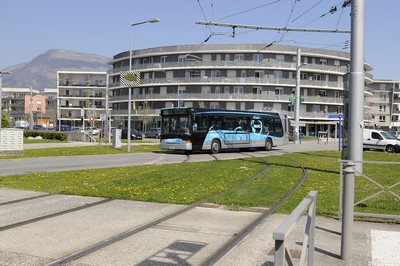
5,120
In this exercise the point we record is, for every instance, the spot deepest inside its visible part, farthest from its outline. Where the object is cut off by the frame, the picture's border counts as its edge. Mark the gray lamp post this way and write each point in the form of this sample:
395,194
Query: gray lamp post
152,20
297,97
1,94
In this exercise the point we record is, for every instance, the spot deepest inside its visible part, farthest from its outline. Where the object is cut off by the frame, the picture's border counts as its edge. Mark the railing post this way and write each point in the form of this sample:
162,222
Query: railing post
279,258
348,211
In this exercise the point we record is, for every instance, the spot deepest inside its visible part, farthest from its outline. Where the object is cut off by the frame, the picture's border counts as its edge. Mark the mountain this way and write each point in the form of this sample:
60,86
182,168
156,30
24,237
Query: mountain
41,72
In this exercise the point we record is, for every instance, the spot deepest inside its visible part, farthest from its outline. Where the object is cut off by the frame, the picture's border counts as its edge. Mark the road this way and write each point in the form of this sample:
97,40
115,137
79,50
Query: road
68,163
37,228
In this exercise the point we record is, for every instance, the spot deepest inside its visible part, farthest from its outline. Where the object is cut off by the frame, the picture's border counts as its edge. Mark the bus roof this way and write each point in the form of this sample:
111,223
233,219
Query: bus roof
192,110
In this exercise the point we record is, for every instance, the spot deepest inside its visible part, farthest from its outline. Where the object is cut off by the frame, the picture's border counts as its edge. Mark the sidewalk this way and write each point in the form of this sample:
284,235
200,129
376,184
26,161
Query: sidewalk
187,239
81,144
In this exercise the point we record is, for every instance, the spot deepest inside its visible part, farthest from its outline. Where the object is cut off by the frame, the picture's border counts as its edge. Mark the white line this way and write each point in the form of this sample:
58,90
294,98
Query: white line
385,247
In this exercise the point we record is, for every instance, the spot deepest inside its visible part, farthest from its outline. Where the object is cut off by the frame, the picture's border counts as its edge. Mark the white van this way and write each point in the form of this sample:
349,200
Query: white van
380,140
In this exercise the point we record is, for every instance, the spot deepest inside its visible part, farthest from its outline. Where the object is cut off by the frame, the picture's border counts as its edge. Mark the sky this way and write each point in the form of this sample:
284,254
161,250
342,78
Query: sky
103,27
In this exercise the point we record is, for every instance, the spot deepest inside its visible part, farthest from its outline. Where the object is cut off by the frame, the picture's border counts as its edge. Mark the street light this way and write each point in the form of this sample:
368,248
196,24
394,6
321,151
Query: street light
152,20
1,92
297,97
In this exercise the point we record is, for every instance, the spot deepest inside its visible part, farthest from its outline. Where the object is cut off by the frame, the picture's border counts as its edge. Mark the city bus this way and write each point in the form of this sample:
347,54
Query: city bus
196,129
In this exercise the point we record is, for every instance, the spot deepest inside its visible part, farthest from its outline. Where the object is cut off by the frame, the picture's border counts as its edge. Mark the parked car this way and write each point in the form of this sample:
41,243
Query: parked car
78,129
63,128
135,134
92,130
153,133
38,127
380,140
396,134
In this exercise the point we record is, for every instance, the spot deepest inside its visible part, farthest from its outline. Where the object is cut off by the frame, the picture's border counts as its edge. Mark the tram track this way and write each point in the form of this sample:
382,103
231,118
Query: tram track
25,199
235,240
130,232
52,215
59,213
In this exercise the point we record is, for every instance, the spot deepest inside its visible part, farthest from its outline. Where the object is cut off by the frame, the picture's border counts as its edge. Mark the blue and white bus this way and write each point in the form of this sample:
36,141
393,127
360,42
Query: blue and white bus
196,129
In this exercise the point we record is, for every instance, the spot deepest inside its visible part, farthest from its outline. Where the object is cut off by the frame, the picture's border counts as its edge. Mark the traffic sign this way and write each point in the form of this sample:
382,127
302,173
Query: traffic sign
301,123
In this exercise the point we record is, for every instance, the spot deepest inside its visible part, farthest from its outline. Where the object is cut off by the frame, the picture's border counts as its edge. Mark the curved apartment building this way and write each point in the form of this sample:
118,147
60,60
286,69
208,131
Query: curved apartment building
239,76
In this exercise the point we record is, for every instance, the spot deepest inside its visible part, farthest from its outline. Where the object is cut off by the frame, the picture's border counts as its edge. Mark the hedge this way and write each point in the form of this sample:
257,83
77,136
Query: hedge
46,134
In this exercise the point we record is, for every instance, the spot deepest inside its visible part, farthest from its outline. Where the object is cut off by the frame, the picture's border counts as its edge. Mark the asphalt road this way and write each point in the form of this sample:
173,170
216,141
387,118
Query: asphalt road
68,163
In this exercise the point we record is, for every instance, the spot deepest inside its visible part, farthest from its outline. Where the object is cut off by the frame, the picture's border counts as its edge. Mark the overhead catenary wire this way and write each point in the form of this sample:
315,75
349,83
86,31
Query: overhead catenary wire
285,31
248,10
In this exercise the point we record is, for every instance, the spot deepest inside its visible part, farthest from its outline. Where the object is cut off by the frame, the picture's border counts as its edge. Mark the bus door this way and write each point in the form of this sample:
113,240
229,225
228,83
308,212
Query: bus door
257,132
237,133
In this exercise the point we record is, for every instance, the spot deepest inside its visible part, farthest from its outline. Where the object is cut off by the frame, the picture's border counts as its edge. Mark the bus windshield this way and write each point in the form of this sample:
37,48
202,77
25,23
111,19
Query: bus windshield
175,125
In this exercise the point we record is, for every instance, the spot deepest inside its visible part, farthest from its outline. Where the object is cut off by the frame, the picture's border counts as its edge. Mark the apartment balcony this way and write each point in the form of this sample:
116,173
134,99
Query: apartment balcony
313,115
238,81
124,112
265,64
264,97
76,84
76,106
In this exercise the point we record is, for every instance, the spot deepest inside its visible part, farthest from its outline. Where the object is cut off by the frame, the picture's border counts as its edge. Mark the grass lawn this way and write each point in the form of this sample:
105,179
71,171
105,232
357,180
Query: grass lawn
189,182
81,150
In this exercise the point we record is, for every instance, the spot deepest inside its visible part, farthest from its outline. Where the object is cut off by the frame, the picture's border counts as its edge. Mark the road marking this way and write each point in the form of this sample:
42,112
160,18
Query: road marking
385,246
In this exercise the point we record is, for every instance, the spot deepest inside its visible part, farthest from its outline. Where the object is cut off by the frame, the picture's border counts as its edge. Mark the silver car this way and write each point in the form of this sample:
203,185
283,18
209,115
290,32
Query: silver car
153,133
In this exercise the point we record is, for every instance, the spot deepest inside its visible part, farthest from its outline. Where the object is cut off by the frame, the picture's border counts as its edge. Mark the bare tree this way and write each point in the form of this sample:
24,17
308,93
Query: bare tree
145,115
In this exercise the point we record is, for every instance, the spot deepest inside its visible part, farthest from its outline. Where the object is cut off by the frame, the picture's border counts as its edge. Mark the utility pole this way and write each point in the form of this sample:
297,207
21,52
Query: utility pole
297,96
356,88
30,110
355,123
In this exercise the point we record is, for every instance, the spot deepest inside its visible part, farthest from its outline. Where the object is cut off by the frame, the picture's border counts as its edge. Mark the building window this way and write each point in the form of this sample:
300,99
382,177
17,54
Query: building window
239,57
322,93
303,75
215,73
280,58
214,105
382,108
259,74
323,61
243,74
278,91
382,96
278,74
382,87
257,57
163,59
317,77
382,118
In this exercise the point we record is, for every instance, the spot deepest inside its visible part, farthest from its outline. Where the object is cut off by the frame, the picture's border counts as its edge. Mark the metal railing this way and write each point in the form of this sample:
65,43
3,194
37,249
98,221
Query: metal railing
381,190
280,234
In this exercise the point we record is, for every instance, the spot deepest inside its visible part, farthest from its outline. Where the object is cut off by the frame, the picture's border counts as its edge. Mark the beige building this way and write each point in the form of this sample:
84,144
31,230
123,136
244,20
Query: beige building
81,97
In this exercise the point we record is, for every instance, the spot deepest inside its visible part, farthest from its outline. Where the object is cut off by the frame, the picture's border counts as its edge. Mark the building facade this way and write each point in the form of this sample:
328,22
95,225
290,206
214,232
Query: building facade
240,76
81,97
385,104
14,102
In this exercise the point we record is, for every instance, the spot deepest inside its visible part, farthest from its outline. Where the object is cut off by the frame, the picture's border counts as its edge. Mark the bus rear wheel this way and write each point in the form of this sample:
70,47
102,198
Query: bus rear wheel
268,144
215,146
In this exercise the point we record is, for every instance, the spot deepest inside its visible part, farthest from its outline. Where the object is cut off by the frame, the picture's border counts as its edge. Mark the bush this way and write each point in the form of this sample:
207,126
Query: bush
46,134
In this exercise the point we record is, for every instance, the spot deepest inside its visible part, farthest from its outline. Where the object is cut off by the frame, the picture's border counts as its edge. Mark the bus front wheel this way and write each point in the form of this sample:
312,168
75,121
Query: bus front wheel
215,146
268,144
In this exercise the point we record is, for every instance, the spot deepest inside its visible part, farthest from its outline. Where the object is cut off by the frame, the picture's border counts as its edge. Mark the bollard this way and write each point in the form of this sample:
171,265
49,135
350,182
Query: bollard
348,211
